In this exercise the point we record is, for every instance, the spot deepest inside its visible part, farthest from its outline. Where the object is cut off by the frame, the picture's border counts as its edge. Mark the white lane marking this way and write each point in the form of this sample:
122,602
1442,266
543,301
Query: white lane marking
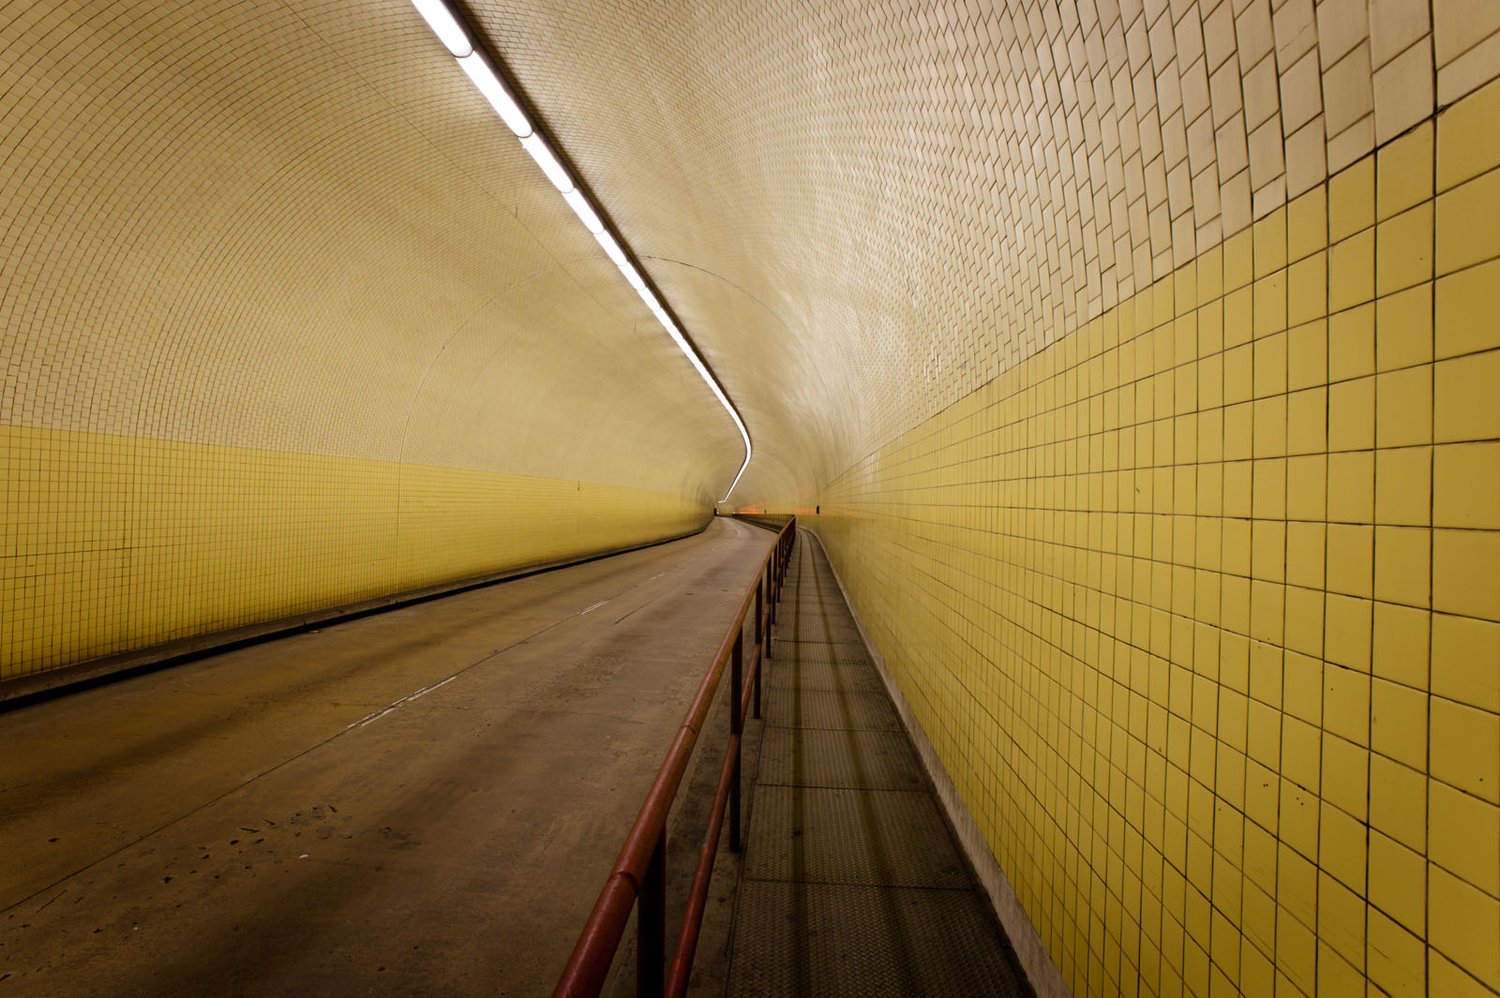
371,718
592,608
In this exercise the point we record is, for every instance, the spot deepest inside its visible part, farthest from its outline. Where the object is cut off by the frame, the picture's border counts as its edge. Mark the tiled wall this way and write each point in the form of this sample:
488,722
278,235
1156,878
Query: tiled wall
288,319
878,206
113,544
1200,606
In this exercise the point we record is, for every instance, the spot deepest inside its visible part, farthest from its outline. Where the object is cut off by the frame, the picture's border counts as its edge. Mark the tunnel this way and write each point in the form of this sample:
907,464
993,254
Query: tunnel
1104,394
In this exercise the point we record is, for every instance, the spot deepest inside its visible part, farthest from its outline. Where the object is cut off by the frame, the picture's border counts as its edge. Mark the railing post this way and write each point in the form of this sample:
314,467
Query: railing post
651,925
776,587
736,729
771,606
638,880
760,639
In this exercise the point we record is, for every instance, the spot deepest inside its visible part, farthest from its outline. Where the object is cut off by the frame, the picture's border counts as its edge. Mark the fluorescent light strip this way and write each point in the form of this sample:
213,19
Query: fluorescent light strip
612,250
484,78
635,280
451,32
584,211
443,24
537,148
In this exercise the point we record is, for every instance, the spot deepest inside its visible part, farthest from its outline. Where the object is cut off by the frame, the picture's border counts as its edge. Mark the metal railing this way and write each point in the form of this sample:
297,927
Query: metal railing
639,873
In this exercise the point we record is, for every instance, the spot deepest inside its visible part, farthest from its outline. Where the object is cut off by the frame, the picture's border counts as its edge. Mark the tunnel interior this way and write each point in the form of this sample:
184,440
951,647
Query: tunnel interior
1135,362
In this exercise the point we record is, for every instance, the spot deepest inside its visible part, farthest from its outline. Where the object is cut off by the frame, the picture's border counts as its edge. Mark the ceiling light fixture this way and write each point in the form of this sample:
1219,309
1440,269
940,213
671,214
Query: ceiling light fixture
611,249
537,148
485,80
584,211
450,30
443,24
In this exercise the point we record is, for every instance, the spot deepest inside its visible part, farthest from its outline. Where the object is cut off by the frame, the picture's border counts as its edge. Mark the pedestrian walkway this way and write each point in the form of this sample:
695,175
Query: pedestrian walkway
853,883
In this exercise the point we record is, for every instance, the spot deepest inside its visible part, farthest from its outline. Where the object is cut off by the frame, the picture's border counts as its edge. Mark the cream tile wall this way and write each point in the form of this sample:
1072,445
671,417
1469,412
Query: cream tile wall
113,544
1141,355
1200,606
921,195
287,320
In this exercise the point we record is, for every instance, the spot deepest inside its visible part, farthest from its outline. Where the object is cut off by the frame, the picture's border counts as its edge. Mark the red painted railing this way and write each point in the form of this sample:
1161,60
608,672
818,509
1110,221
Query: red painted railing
639,874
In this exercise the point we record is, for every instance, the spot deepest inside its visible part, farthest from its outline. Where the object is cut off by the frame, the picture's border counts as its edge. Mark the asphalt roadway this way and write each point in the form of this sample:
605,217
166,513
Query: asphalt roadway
425,801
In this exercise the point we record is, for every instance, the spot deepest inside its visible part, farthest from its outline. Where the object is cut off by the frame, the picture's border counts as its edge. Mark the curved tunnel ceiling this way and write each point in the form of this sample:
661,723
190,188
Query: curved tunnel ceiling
294,227
864,211
305,230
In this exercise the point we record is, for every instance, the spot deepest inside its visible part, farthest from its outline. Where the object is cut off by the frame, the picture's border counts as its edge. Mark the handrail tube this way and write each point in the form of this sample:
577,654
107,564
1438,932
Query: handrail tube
612,909
644,850
692,918
699,893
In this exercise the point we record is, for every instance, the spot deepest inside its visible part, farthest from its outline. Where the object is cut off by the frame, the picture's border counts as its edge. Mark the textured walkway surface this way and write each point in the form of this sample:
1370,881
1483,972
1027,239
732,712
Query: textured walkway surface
853,884
423,802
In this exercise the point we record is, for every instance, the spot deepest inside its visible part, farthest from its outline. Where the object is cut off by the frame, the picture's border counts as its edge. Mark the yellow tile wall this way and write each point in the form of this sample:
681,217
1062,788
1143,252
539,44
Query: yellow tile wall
111,544
1200,606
